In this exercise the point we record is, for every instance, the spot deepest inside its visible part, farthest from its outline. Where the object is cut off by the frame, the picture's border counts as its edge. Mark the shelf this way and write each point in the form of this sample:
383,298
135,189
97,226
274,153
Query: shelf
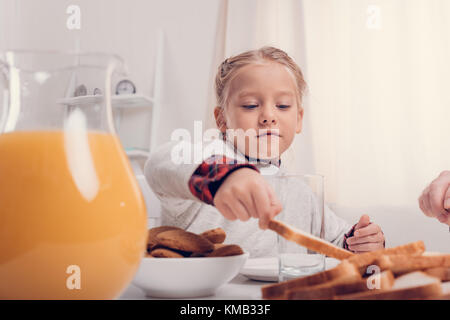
136,153
118,101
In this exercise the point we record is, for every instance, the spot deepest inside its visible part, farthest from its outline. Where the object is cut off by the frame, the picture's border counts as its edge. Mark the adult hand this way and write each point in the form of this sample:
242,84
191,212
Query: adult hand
435,199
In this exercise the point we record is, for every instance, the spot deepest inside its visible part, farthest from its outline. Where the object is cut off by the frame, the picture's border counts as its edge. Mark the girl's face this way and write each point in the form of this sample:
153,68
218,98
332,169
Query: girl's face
263,99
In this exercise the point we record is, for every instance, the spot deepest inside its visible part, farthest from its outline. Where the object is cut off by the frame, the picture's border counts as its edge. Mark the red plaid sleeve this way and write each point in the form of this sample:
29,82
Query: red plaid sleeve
210,174
348,235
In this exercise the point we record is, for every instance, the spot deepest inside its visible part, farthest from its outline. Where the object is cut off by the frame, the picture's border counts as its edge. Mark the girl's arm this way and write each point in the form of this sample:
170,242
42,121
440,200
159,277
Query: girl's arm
181,184
174,174
335,228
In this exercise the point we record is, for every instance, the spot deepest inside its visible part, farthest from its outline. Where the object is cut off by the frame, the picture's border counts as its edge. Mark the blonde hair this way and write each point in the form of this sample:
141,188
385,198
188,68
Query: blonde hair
230,67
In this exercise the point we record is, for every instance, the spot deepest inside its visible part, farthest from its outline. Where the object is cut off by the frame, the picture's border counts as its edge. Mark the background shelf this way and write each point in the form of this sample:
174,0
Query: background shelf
118,101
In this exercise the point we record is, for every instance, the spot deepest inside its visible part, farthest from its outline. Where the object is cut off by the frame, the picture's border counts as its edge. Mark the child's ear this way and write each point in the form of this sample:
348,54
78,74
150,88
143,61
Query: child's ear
220,119
299,120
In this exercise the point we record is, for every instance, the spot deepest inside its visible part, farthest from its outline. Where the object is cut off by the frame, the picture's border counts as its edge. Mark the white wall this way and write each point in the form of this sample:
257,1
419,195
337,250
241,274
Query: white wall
129,29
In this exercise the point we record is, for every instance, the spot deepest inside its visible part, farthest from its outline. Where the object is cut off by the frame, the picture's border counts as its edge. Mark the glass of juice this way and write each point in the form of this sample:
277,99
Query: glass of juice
72,218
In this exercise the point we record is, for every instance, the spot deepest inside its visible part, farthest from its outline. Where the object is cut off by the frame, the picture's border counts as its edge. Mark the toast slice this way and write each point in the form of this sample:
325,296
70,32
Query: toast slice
279,290
401,264
341,287
445,286
308,240
414,285
365,259
442,273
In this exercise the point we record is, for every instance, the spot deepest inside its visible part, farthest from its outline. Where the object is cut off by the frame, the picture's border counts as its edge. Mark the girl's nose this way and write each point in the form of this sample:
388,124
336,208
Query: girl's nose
267,117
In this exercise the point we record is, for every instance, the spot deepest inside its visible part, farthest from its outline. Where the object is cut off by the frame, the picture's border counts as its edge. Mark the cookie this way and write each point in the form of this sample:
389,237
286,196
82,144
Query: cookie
183,253
216,235
199,255
184,241
165,253
153,232
226,250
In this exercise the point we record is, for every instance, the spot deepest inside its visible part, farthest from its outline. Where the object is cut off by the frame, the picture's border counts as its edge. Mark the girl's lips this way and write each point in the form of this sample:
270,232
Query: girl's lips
268,134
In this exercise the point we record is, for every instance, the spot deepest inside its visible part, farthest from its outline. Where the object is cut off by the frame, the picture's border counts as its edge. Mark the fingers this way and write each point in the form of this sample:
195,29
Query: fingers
424,203
378,237
254,199
363,222
275,204
262,202
268,205
436,198
366,247
254,211
239,210
444,218
368,238
366,231
447,199
226,211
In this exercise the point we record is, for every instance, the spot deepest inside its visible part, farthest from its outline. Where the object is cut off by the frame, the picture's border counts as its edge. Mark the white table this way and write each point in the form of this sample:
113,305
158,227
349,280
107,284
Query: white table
240,288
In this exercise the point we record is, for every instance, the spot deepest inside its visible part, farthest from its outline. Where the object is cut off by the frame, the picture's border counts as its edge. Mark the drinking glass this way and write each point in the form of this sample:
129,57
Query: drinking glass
303,208
72,218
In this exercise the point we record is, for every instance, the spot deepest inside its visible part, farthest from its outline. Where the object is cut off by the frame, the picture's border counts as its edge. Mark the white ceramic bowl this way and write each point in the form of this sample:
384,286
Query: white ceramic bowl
186,277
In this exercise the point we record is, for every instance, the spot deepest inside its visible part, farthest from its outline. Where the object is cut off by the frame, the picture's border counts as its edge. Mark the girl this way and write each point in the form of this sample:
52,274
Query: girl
258,92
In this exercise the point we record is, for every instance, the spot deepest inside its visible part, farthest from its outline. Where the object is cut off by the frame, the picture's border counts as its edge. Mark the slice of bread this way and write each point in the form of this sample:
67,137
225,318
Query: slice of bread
445,286
401,264
414,285
442,273
363,260
308,240
343,286
279,290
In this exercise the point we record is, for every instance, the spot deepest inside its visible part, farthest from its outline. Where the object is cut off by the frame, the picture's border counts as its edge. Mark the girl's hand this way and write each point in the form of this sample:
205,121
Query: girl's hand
366,237
246,194
435,199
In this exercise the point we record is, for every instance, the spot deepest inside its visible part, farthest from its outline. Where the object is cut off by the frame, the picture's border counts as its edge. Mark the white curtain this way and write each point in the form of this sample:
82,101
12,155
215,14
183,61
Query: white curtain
378,75
377,111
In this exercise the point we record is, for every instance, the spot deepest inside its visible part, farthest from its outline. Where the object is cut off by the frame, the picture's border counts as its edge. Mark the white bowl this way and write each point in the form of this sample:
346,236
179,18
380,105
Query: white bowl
186,277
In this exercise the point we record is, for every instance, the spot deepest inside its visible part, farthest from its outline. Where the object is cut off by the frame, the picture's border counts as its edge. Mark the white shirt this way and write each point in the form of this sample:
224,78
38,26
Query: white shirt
169,180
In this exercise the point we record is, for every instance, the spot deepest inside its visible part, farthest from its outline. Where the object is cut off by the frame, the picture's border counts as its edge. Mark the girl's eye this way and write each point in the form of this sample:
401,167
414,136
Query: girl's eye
252,106
283,106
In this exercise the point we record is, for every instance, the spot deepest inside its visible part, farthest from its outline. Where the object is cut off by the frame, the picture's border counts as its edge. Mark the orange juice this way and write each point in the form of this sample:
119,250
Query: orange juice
54,242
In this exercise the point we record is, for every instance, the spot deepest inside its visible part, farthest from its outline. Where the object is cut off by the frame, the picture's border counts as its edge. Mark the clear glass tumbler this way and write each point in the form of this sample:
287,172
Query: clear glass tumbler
302,197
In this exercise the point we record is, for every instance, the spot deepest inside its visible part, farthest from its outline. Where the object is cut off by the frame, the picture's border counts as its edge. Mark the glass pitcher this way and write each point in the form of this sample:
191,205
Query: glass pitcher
72,218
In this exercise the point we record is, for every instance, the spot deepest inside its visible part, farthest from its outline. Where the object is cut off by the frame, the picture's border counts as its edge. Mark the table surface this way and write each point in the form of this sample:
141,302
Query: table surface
239,288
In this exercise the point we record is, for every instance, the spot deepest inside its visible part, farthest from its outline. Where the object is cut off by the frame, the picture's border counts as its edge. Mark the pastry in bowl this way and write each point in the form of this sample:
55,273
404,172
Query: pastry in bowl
182,264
